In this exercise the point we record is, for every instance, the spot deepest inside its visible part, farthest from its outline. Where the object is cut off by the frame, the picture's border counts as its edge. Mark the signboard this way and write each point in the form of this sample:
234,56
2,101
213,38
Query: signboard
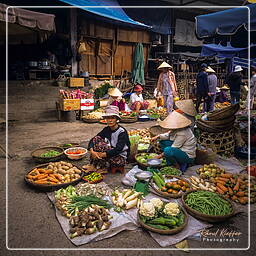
87,104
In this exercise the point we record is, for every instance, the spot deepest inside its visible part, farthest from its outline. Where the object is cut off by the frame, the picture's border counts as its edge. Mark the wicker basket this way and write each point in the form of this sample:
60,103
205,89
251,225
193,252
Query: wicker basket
164,232
156,130
222,143
214,129
205,217
129,119
87,120
47,188
36,154
156,148
224,112
221,122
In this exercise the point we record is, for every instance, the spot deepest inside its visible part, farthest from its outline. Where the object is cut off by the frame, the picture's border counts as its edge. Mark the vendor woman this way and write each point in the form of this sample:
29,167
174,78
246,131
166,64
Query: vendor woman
115,98
111,147
137,102
178,143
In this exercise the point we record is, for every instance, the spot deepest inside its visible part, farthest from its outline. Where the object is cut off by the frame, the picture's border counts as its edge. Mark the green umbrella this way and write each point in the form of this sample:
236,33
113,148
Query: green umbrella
138,65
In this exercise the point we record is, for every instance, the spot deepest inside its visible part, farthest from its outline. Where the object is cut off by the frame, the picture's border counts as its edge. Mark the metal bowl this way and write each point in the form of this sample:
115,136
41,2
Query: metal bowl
154,162
143,175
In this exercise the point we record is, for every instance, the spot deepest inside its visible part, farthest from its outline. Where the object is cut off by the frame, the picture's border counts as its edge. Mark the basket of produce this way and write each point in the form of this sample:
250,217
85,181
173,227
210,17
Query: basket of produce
142,159
143,147
93,177
128,117
156,130
92,117
168,170
169,186
143,133
47,154
224,112
153,116
236,187
221,122
53,176
69,145
161,217
210,170
161,112
76,153
207,206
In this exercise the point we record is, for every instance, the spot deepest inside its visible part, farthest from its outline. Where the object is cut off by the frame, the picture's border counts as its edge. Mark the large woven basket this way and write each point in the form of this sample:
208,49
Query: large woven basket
213,128
205,217
224,112
36,154
129,119
164,232
156,148
222,143
221,122
87,120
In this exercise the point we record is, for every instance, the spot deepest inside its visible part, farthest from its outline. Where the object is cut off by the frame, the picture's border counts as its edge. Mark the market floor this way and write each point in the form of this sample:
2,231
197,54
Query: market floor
31,217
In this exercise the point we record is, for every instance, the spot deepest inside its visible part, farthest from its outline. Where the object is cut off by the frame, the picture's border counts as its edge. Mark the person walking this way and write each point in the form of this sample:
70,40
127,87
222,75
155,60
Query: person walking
166,86
201,87
212,85
234,80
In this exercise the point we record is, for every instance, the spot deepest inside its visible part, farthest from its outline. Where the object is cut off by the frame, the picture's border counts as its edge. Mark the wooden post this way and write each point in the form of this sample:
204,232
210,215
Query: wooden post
73,39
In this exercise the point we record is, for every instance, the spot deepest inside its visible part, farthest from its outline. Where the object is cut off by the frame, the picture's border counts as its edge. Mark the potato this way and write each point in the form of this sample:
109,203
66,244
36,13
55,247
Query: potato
64,167
61,171
49,166
55,169
69,165
77,176
77,171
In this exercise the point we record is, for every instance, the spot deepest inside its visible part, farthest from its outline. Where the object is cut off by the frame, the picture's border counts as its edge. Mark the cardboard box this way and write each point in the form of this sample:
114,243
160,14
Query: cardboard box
87,104
76,82
69,104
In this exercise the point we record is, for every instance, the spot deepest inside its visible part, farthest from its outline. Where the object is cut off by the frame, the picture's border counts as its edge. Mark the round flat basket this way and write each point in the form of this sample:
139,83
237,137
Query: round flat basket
222,122
145,165
205,217
166,194
164,232
214,129
36,154
129,120
48,188
224,112
90,121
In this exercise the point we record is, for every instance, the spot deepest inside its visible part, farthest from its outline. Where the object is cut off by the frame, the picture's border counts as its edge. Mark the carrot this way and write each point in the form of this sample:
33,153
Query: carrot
57,176
230,191
240,193
49,171
243,200
220,191
31,177
236,187
42,171
224,179
226,175
232,180
234,197
220,181
53,179
223,188
41,176
41,182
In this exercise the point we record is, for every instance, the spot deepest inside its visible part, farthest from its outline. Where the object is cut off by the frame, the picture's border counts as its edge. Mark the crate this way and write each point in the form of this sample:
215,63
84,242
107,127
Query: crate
69,104
76,82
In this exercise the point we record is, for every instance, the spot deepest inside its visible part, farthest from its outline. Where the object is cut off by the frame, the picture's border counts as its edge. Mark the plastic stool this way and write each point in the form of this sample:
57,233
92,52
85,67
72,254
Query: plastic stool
183,167
113,169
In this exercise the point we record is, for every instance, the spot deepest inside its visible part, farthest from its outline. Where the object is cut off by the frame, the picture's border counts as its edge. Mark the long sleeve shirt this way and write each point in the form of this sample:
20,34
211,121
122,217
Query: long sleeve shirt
117,139
171,81
212,83
202,83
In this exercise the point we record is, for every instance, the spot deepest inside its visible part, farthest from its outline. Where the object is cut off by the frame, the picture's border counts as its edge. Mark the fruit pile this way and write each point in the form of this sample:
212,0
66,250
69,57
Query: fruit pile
210,170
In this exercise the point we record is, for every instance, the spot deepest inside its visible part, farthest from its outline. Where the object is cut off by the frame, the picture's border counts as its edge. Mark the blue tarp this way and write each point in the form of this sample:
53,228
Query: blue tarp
225,22
99,8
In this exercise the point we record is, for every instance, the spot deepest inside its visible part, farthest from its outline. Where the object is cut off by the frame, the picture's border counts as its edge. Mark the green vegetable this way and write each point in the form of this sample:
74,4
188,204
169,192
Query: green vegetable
208,203
102,90
94,176
67,145
162,181
142,187
168,170
69,191
163,221
157,180
50,153
158,226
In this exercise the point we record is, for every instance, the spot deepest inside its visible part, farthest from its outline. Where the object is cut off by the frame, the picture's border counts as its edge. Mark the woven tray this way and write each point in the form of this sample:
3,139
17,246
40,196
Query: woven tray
36,154
166,194
47,188
224,112
91,120
205,217
214,129
129,120
164,232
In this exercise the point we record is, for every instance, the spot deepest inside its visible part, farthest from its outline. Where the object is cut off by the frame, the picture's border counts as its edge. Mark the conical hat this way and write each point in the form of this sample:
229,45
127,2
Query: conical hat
187,106
114,92
175,120
164,65
210,70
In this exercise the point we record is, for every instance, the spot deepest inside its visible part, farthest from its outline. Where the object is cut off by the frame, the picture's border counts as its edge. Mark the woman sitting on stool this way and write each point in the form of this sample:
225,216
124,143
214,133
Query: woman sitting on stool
178,143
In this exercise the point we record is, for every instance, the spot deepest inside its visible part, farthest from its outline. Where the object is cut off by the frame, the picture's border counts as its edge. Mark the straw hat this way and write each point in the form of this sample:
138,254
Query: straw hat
111,111
187,106
238,68
138,88
210,70
175,120
115,92
225,87
164,65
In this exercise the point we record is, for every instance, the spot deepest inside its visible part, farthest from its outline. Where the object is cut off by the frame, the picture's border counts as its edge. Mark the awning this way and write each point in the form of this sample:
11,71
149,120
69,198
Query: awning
28,18
99,8
225,22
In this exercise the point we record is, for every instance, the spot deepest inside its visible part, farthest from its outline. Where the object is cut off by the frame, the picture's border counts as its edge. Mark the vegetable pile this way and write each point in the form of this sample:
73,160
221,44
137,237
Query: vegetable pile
143,147
54,173
50,153
208,171
168,170
93,177
161,215
126,199
86,189
235,187
126,114
161,112
93,115
201,184
209,203
75,152
143,133
143,157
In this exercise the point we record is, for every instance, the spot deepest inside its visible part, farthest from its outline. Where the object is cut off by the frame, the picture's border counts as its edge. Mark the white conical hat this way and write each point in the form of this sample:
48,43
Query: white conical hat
175,120
164,65
114,92
210,70
187,106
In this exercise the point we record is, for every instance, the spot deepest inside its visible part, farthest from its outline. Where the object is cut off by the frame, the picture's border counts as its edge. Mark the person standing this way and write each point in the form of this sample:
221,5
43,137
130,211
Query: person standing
212,85
166,85
234,80
201,87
